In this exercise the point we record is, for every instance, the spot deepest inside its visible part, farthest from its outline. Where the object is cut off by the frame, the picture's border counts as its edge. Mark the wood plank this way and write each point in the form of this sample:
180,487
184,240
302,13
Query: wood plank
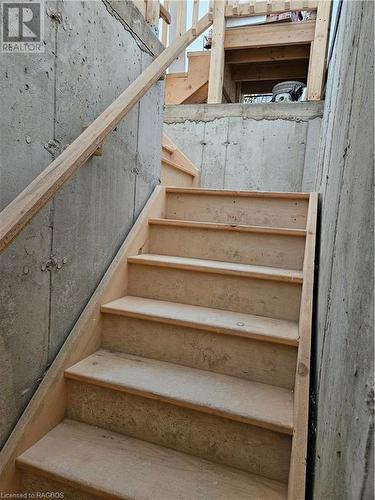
259,8
265,54
229,85
317,68
28,203
169,149
113,457
178,166
230,354
164,14
170,176
47,407
229,227
244,401
214,266
179,158
199,96
280,70
216,76
164,29
233,209
244,294
195,15
249,194
217,243
269,35
297,474
205,318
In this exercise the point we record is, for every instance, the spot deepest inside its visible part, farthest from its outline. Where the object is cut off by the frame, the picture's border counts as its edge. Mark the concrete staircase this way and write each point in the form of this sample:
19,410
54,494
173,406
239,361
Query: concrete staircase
190,395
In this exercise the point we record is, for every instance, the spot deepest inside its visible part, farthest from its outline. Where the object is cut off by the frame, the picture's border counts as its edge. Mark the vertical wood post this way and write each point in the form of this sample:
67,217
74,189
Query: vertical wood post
318,52
164,33
195,14
177,27
216,75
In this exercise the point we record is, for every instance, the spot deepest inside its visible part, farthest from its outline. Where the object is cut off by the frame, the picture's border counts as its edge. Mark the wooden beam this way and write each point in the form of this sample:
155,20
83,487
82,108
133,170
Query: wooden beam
164,14
261,8
264,54
28,203
178,157
235,7
229,85
199,96
164,31
268,35
181,17
215,81
319,52
176,29
297,471
195,15
283,70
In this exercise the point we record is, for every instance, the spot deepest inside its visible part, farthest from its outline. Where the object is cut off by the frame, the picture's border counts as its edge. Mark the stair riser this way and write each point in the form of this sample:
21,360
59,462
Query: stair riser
32,482
274,299
220,440
228,246
273,212
249,359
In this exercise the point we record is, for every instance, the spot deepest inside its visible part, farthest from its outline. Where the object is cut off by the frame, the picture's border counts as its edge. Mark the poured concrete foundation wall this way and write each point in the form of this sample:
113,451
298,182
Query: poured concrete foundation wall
344,342
249,146
47,275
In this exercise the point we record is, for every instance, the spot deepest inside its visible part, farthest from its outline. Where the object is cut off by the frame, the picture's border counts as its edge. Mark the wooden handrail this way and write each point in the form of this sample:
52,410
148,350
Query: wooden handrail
28,203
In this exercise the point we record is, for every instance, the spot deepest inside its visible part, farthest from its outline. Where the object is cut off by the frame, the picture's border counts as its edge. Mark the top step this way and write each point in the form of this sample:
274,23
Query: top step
257,208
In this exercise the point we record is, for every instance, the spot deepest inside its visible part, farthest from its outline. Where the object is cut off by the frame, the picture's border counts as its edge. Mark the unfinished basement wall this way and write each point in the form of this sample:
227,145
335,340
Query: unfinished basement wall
249,146
92,53
344,342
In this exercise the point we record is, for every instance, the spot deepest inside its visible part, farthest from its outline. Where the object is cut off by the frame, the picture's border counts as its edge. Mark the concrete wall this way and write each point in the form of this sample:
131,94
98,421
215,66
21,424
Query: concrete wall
344,342
91,55
249,146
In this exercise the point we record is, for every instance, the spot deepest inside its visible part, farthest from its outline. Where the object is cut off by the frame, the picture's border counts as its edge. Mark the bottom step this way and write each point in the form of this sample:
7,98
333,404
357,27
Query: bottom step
91,460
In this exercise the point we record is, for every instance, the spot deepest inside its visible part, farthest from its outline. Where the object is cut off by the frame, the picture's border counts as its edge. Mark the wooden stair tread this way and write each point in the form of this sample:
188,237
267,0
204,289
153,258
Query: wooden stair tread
178,166
214,266
228,227
205,318
170,149
117,466
251,194
230,397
